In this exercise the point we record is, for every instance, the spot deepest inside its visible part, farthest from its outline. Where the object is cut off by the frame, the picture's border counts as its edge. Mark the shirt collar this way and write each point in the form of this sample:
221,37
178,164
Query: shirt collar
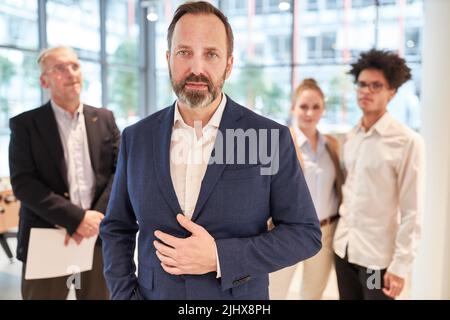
381,126
302,139
63,114
214,121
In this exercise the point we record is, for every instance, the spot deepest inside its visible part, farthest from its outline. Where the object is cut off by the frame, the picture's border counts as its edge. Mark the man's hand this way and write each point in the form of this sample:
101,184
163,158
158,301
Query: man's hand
90,224
393,285
76,237
193,255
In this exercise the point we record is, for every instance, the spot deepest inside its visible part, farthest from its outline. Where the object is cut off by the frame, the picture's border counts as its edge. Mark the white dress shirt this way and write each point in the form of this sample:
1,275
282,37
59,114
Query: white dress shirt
80,175
382,197
189,157
320,175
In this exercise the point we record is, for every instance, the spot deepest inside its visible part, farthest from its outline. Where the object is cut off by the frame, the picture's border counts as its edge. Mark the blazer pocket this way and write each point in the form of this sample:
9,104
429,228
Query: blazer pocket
145,276
240,290
244,173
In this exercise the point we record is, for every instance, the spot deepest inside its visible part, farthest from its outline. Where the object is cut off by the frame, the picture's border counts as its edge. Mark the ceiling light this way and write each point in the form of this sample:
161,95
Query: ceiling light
284,5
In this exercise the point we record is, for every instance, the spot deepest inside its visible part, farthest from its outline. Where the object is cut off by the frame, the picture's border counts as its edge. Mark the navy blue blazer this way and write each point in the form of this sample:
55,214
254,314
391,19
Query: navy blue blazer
234,205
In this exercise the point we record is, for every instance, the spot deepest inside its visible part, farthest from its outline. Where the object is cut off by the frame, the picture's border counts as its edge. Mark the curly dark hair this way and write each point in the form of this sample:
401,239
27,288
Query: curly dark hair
393,67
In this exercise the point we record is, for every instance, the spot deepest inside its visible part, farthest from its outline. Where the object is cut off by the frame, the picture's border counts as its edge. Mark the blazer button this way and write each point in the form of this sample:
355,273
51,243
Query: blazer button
66,195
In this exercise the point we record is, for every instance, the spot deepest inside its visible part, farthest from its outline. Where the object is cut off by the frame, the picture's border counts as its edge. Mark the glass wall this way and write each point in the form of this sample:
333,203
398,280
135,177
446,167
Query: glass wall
109,58
19,80
275,48
331,34
122,36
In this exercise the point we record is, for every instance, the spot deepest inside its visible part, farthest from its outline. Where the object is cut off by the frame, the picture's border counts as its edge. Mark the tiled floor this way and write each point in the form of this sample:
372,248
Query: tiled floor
10,274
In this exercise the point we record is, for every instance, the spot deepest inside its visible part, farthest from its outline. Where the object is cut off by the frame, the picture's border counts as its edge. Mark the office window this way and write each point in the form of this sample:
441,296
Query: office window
325,55
123,94
76,24
258,56
272,6
122,36
19,91
92,84
311,48
19,86
264,90
122,31
240,5
18,23
362,3
312,5
334,4
388,2
328,45
259,6
264,74
412,42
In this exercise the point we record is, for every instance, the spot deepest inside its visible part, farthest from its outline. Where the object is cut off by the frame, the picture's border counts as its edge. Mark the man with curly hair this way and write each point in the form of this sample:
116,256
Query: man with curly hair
377,235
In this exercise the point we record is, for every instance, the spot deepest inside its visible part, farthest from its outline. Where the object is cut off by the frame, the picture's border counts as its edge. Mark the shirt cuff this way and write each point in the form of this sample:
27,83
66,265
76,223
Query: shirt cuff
400,269
219,274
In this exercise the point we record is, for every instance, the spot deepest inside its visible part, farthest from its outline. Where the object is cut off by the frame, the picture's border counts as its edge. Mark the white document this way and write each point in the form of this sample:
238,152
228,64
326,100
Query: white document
49,258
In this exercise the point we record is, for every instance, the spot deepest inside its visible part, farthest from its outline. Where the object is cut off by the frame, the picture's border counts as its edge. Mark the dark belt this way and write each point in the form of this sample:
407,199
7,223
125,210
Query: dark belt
329,220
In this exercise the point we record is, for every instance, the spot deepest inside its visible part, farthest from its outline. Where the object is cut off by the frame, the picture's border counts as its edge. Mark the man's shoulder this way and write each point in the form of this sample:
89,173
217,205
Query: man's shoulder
29,114
404,133
99,111
149,121
254,119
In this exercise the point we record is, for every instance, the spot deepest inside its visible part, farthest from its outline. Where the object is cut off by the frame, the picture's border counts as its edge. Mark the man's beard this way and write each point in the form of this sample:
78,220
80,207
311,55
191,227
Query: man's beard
197,98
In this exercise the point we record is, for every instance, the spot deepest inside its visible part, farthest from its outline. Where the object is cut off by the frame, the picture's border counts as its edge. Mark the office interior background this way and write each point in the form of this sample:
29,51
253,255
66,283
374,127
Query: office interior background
122,43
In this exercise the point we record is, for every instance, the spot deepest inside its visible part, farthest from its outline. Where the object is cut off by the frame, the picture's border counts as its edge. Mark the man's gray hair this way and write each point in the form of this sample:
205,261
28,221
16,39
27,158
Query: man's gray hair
46,52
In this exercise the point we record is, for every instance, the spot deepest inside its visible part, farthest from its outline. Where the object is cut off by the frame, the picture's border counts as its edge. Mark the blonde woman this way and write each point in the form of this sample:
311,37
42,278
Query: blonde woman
319,158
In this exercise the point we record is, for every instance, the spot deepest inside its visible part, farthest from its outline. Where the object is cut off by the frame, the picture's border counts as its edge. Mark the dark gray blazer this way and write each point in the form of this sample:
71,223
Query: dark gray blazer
39,174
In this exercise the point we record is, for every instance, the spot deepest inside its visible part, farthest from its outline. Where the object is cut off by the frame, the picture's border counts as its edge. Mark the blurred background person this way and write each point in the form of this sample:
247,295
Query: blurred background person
62,159
321,167
377,235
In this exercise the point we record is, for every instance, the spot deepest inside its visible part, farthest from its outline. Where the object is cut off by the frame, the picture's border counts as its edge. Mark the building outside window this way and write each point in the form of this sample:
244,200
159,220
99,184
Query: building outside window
274,51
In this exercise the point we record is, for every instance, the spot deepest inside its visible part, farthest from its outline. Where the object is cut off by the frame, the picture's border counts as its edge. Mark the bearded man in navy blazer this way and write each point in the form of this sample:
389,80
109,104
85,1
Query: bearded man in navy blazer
199,181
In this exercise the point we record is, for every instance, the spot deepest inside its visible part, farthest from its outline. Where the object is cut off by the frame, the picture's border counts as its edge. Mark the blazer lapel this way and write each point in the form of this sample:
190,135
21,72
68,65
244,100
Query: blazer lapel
46,125
213,172
93,135
161,150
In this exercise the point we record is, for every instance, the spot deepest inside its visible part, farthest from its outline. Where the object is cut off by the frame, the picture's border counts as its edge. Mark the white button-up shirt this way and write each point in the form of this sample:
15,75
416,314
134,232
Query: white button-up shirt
382,197
320,174
80,175
189,157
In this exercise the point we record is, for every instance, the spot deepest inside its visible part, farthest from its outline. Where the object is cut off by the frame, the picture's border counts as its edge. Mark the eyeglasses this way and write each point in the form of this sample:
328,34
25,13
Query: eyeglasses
63,67
374,87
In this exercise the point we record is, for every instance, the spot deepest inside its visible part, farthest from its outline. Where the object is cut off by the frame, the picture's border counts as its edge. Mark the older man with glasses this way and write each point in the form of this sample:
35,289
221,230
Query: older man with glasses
62,159
376,237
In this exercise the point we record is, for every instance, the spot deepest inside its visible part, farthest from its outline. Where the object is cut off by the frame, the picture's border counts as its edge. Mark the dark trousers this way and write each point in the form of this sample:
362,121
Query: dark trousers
92,285
359,283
